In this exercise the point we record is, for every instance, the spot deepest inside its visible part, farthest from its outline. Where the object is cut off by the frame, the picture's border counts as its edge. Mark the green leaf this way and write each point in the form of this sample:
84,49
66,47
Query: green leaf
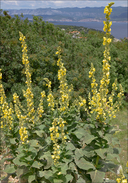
100,133
83,164
100,152
23,163
32,149
115,141
37,164
69,178
108,137
21,155
79,153
48,140
49,159
70,146
57,181
17,162
12,140
28,158
80,133
81,180
34,143
113,156
72,166
69,152
41,127
45,174
116,150
64,168
20,171
10,169
39,133
88,138
31,178
97,176
88,153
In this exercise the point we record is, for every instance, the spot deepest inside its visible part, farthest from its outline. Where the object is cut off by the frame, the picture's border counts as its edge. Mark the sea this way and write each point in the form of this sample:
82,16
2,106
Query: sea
118,29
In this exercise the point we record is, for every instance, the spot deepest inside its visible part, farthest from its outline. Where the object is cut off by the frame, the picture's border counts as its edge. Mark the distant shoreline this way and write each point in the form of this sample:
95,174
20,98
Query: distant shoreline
88,20
85,21
119,29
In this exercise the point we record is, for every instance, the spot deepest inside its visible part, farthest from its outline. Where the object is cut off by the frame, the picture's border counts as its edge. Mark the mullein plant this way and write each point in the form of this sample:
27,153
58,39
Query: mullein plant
6,110
18,119
25,116
62,106
102,108
101,103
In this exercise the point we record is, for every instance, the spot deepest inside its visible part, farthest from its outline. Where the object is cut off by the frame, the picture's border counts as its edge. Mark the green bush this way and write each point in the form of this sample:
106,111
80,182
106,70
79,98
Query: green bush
43,39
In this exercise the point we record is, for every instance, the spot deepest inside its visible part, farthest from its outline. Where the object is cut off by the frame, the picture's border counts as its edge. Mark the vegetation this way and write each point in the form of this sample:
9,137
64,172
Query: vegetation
77,54
55,133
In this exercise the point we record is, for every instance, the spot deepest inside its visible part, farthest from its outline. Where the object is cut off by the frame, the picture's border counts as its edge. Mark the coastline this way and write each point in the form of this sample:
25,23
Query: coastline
83,20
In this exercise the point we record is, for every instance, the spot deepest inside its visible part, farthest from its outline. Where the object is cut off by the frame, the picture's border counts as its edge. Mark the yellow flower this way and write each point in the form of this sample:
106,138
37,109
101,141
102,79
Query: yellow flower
106,10
59,173
110,23
109,40
124,181
104,40
57,135
109,29
114,116
118,180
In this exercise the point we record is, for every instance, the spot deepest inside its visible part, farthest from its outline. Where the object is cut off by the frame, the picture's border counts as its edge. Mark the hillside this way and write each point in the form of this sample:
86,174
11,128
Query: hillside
43,38
72,14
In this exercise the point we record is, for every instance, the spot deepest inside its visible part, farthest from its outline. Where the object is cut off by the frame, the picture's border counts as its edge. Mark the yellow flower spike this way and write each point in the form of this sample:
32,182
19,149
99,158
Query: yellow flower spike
99,102
6,110
118,180
64,88
110,4
54,137
28,93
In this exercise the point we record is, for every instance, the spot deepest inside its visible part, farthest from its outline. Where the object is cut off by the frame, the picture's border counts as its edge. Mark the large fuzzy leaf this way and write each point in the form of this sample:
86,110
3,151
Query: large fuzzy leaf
10,169
49,159
97,176
83,164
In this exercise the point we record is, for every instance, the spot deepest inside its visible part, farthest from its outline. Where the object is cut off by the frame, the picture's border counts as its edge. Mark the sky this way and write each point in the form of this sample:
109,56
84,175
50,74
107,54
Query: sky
4,4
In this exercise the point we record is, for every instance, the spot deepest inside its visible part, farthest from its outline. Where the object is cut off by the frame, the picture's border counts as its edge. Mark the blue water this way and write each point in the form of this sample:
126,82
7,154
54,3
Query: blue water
119,29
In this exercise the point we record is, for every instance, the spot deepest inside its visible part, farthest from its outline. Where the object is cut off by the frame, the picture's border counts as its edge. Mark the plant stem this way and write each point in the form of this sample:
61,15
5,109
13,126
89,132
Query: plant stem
97,160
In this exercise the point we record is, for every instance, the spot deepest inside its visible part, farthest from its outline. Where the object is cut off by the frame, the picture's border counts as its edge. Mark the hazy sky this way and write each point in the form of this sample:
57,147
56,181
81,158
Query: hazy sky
56,4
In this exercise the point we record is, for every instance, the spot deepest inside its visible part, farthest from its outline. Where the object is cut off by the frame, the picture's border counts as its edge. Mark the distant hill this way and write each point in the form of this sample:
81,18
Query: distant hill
73,14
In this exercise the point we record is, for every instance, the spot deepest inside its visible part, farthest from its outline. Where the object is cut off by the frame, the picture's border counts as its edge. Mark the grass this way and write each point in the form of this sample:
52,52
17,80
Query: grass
121,123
